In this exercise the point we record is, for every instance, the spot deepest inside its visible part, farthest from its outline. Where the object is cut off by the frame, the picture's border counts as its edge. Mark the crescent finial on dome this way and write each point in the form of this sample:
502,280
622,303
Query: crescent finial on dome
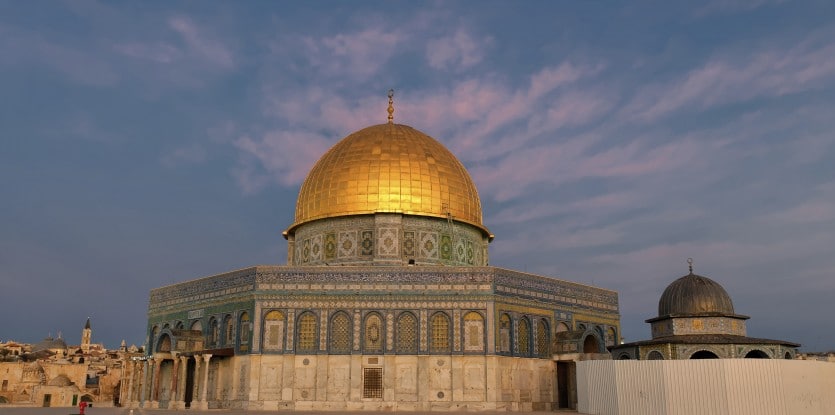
391,106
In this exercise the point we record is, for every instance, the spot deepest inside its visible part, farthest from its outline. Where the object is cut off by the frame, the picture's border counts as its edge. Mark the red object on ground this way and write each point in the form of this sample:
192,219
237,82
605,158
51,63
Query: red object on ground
81,407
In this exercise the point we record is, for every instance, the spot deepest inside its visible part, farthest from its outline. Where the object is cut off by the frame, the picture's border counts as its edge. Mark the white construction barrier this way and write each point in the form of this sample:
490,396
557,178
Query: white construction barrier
704,387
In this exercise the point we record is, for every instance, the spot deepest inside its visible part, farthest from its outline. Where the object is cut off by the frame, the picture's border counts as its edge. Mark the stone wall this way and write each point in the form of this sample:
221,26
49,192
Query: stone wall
408,382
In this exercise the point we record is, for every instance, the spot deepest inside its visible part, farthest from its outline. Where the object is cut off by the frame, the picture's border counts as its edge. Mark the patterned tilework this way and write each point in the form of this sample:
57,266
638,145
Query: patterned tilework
366,243
409,244
330,246
392,237
348,244
282,280
388,242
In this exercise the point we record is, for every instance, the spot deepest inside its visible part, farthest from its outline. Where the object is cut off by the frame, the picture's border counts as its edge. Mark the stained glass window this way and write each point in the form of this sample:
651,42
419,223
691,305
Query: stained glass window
243,336
473,332
504,333
524,337
340,335
306,333
407,333
230,331
373,334
215,333
440,333
273,330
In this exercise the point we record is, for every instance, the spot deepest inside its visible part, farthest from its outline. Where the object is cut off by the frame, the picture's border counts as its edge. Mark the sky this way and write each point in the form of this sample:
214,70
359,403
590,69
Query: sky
148,143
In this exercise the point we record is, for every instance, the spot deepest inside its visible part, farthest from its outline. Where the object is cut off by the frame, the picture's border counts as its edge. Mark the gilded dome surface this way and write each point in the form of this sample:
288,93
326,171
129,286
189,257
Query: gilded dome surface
388,168
695,295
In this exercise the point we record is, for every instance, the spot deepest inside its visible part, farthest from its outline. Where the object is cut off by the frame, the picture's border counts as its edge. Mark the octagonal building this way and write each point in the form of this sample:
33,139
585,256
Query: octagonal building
696,320
387,302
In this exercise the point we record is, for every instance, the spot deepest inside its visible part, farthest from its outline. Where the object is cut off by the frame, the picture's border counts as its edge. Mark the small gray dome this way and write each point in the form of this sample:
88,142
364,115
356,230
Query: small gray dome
695,295
50,344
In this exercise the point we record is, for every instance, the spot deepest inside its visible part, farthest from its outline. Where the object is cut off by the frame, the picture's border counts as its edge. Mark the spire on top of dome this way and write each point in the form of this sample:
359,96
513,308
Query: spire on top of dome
690,264
391,106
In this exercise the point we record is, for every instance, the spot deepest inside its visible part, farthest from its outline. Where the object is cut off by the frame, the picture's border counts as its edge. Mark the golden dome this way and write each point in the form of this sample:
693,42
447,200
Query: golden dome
388,168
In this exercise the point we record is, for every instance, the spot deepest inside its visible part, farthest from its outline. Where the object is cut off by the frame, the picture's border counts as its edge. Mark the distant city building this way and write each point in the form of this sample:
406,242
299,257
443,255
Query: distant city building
696,320
388,302
51,373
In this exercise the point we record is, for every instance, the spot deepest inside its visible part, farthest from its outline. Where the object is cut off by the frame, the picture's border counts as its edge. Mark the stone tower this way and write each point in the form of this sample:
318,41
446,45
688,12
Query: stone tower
86,337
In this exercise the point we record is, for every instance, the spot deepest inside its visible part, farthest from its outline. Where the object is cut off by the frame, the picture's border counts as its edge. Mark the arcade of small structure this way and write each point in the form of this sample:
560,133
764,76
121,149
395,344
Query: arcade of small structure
387,303
696,320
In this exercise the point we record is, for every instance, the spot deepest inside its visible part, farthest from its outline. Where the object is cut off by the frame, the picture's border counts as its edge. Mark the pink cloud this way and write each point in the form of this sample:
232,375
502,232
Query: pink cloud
283,156
738,78
157,52
357,55
200,44
457,51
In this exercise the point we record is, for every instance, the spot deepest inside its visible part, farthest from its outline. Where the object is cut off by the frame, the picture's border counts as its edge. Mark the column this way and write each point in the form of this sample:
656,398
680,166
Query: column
155,383
175,372
204,404
143,396
195,395
181,386
130,394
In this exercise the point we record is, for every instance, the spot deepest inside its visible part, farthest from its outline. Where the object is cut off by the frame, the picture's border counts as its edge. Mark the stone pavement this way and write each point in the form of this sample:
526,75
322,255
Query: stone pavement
12,410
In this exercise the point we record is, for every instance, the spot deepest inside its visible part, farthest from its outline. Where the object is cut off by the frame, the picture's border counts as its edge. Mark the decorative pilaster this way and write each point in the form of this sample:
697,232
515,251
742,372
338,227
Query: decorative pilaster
132,364
204,404
175,372
178,392
197,376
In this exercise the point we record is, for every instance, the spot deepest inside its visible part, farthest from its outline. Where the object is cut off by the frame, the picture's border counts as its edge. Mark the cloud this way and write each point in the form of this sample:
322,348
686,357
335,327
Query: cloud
283,157
200,44
358,55
727,79
157,52
189,154
456,52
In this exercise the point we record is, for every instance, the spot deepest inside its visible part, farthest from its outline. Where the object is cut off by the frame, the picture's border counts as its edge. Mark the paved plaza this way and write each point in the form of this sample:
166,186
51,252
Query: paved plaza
6,410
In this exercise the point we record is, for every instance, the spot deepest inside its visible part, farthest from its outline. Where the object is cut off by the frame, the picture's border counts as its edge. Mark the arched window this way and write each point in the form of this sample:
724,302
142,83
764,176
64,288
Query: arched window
655,355
756,354
561,327
407,338
274,330
788,355
306,337
704,354
196,325
473,332
179,325
611,336
440,333
504,333
214,332
591,345
154,334
523,333
543,337
230,331
373,334
164,343
243,337
340,334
